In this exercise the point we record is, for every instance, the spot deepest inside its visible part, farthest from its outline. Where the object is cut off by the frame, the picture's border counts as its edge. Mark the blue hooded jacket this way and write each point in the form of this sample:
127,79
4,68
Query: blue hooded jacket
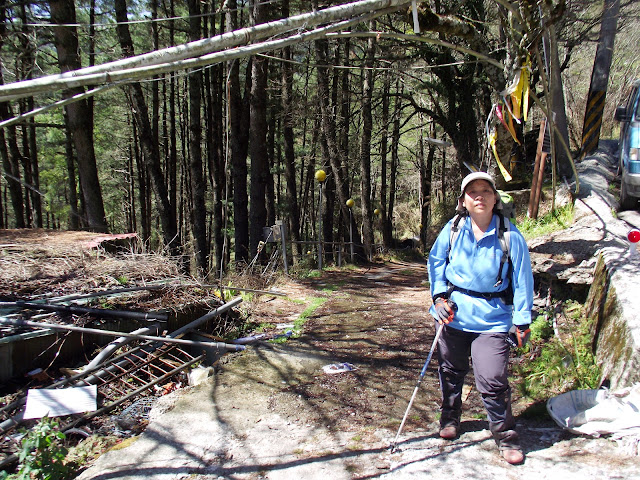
474,265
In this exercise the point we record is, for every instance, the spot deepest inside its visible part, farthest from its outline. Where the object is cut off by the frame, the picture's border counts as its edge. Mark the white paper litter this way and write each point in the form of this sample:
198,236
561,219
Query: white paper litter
599,412
56,402
338,368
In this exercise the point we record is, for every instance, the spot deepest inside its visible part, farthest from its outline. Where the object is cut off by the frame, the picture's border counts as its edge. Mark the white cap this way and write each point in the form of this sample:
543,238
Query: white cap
479,176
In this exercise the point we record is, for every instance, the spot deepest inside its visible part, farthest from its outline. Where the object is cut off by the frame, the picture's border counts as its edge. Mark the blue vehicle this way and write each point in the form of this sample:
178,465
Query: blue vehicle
629,147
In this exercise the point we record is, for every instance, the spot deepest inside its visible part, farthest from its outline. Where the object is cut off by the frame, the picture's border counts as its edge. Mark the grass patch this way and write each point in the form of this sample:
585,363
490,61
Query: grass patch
478,415
329,288
561,219
552,365
298,325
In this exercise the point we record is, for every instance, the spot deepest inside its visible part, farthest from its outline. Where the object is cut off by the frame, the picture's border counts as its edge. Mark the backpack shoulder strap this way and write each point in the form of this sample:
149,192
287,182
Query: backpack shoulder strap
455,231
504,236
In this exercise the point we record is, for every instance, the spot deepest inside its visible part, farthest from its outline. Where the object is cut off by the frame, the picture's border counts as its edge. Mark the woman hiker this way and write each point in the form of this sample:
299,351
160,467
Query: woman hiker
482,287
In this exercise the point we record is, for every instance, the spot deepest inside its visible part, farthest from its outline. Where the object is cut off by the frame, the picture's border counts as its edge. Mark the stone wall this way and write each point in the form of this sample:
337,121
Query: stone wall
615,325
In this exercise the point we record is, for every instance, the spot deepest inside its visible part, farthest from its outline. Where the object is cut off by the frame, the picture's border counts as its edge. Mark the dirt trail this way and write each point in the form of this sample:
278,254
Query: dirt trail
271,412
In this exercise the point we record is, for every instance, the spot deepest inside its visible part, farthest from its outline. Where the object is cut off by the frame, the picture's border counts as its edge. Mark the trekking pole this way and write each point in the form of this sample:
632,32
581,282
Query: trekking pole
415,390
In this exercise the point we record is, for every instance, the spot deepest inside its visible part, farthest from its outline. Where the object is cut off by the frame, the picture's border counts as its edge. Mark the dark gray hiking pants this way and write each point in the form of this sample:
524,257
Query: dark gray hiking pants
490,356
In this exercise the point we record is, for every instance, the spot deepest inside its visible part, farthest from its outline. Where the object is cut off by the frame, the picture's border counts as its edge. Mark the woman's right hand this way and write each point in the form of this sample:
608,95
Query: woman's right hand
444,310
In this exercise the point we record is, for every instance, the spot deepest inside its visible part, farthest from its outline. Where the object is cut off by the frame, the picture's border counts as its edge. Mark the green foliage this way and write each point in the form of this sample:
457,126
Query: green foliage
43,454
541,328
227,294
560,364
312,274
551,222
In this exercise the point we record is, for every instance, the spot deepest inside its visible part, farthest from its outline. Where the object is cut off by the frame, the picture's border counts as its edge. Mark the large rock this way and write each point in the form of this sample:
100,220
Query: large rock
613,302
613,305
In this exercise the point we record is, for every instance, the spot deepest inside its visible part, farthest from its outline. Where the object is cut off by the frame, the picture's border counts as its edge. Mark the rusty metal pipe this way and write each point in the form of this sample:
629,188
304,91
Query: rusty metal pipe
111,333
99,312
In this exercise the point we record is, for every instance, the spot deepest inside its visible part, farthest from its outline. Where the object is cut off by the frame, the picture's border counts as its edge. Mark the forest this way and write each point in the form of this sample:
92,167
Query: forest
196,124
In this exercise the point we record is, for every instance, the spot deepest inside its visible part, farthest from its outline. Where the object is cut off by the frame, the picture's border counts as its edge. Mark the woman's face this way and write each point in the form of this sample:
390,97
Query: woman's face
479,197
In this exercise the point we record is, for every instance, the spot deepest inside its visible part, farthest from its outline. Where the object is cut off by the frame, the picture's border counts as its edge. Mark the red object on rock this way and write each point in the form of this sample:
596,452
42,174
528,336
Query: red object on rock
634,236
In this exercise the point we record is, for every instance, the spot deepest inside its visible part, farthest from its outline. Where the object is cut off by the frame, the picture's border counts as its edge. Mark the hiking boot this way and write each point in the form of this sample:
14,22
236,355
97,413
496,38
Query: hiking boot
513,456
449,432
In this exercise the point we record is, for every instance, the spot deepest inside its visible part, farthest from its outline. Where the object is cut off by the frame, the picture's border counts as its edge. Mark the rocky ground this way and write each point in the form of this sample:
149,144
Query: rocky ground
272,411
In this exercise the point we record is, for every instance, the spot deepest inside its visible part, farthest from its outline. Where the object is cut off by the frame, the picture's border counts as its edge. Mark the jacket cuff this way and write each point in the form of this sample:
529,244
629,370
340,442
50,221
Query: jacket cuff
439,295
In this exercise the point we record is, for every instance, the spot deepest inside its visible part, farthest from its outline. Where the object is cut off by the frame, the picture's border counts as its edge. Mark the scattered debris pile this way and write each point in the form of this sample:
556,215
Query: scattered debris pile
64,294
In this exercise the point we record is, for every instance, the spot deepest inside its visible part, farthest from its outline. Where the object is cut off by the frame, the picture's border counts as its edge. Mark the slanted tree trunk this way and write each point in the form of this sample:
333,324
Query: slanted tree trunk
80,120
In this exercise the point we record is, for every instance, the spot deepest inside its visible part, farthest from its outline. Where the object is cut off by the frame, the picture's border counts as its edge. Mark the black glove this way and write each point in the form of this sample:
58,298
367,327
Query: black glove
519,335
445,309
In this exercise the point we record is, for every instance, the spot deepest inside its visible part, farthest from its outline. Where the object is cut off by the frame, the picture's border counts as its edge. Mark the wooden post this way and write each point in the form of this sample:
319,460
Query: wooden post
283,240
538,174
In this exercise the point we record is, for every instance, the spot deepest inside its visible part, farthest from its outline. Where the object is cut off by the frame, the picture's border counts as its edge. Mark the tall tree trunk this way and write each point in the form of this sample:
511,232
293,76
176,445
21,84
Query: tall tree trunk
395,147
328,128
293,211
365,145
387,217
198,207
172,167
213,94
32,172
36,200
270,193
28,172
425,185
9,147
10,166
80,121
131,191
155,95
559,121
92,46
74,215
238,118
150,150
257,142
143,190
344,124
